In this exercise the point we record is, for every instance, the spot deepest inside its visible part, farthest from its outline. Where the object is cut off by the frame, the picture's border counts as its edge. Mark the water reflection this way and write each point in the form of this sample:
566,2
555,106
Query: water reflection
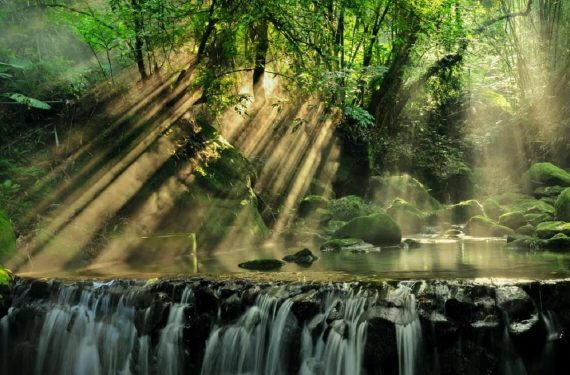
435,258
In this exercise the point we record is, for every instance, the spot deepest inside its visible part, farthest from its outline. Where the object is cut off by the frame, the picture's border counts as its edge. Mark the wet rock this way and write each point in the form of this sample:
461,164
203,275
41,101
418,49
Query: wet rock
380,351
459,310
302,257
410,243
528,336
206,301
515,302
39,289
262,265
339,243
231,308
378,229
305,307
350,207
316,323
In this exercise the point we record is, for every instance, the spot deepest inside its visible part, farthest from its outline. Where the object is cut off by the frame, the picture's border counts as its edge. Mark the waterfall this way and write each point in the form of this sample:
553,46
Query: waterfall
341,351
408,331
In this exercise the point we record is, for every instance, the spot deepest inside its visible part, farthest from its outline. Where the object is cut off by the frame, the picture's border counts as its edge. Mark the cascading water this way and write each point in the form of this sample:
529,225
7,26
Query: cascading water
238,327
408,330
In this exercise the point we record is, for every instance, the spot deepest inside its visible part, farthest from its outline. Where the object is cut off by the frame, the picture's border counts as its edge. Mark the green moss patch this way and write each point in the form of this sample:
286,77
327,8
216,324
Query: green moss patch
378,229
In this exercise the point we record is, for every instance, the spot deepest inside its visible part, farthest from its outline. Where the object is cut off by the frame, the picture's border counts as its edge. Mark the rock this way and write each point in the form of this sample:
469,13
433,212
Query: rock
378,229
303,257
530,205
535,219
546,174
528,336
305,307
231,308
7,238
39,289
408,216
562,205
481,226
409,243
493,209
384,189
527,230
459,213
262,264
515,302
310,204
513,220
547,192
350,207
550,228
559,242
338,243
380,351
524,242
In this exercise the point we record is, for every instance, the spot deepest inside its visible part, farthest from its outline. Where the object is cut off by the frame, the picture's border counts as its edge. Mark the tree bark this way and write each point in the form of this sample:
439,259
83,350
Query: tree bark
261,47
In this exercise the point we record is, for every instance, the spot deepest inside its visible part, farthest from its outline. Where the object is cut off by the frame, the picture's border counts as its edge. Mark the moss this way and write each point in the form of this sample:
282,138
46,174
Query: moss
535,219
484,227
378,229
513,220
338,243
311,203
562,205
408,216
262,264
384,189
546,174
493,209
350,207
525,242
526,230
530,205
7,237
5,276
549,229
547,191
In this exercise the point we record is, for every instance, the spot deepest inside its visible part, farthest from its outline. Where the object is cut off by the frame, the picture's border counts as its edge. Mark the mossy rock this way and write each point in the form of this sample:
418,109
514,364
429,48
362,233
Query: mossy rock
525,242
310,204
493,209
562,205
560,242
227,175
408,216
332,226
458,213
481,226
535,219
302,257
350,207
378,229
262,265
547,192
527,230
384,189
513,220
530,205
410,243
7,238
549,229
546,174
338,243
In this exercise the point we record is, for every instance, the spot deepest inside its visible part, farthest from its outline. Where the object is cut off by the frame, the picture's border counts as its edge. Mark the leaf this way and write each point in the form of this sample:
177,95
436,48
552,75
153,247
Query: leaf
26,100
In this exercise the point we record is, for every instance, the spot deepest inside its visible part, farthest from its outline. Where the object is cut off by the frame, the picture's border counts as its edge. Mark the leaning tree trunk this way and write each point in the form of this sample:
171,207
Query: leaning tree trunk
261,47
139,43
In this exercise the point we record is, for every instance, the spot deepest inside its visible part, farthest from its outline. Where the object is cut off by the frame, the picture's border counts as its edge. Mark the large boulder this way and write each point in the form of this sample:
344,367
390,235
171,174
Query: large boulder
560,242
408,216
384,189
493,209
7,238
562,205
549,229
513,220
481,226
546,174
378,229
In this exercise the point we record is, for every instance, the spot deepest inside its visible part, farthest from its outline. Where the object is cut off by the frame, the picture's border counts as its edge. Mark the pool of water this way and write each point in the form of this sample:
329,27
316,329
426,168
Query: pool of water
436,258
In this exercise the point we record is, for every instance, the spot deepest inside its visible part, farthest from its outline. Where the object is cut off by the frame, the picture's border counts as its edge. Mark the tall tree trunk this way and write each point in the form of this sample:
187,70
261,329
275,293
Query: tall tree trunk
139,43
261,47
